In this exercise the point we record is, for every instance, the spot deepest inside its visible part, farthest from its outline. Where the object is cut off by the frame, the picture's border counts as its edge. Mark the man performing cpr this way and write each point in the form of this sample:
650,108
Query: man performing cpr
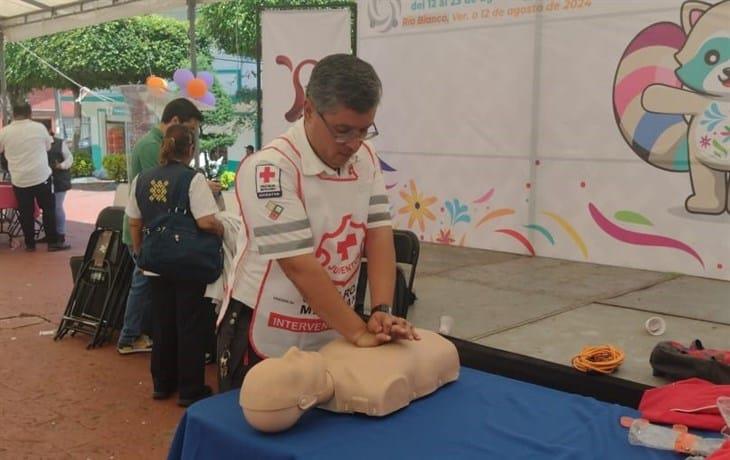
314,203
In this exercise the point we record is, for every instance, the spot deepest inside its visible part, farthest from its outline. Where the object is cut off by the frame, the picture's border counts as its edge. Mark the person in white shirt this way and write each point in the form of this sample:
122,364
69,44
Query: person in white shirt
314,204
25,143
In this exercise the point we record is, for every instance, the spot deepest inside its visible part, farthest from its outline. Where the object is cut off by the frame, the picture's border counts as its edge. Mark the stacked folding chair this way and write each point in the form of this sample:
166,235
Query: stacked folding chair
101,282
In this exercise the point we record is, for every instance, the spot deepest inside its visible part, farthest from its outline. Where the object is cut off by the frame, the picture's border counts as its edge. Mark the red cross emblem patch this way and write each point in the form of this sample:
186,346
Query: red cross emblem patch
268,181
340,251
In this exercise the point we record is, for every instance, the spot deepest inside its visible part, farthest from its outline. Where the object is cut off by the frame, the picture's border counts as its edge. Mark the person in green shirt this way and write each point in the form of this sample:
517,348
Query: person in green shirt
145,156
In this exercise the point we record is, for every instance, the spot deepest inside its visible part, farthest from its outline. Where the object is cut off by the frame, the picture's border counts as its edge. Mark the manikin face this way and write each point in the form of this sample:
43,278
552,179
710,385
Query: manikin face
295,379
337,134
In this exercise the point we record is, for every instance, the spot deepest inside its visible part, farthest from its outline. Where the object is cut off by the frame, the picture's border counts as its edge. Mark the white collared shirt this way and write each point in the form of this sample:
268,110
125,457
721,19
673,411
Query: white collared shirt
26,143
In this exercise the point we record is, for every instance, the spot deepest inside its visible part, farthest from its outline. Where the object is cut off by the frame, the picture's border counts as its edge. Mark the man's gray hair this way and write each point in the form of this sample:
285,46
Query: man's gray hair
344,80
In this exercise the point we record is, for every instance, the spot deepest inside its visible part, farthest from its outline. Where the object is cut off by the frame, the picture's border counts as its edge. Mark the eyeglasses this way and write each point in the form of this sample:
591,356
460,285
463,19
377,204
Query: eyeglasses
352,134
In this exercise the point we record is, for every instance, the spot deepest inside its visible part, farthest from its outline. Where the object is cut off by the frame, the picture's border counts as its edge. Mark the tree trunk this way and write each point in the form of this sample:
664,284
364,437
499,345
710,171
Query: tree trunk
77,120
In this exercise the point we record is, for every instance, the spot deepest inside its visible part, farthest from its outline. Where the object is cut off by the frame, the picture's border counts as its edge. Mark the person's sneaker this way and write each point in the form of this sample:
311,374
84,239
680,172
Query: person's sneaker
53,247
204,393
159,395
142,344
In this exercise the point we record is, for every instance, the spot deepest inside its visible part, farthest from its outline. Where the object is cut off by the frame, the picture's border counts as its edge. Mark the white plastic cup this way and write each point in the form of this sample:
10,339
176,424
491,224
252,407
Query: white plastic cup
655,325
445,324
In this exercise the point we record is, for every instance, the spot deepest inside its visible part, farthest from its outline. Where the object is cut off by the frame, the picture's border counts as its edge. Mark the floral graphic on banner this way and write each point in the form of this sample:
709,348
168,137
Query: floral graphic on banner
417,207
458,222
445,237
458,213
638,238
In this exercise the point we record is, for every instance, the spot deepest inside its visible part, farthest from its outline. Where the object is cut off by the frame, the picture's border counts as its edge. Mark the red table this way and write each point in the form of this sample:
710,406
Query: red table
7,196
9,215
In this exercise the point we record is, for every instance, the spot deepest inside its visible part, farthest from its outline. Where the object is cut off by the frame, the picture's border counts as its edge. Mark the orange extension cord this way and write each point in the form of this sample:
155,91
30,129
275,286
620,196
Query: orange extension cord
603,359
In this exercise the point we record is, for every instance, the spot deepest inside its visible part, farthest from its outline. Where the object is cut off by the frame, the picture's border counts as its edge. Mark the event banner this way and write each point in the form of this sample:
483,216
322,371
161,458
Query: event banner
590,130
292,42
406,16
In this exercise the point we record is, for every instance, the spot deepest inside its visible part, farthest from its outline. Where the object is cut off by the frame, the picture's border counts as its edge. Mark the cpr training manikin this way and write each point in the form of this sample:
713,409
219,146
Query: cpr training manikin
341,377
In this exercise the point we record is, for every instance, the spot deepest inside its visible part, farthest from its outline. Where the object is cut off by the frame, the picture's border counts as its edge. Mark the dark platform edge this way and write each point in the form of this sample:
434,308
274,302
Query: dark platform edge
604,388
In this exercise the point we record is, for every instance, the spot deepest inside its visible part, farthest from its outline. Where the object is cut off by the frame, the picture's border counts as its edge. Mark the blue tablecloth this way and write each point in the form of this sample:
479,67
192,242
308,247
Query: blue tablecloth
481,416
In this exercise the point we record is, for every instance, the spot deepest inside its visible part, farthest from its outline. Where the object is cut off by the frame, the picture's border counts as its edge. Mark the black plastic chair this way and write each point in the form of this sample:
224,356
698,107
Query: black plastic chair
407,250
102,277
111,218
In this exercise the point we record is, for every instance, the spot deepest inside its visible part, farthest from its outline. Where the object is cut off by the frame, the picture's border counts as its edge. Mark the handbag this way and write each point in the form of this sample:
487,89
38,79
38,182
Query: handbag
173,246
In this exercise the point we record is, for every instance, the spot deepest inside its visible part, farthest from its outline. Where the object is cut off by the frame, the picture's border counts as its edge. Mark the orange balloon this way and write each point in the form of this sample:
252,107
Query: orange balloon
197,88
154,82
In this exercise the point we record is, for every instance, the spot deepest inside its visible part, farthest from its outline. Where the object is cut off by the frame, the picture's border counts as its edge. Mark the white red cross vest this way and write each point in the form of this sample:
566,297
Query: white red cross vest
337,207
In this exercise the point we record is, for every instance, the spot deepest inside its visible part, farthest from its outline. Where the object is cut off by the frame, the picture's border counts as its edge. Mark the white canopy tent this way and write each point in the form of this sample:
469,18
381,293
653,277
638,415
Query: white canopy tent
24,19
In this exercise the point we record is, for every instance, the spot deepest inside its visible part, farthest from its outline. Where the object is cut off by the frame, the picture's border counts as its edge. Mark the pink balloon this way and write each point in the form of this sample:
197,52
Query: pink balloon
208,99
182,77
207,77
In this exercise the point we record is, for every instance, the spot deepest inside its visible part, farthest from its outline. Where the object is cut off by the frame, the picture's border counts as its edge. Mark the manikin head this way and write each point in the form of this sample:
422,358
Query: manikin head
277,391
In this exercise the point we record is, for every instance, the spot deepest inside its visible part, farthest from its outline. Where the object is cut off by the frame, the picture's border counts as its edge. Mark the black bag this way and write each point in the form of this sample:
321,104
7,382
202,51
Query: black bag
61,177
174,247
402,296
677,362
234,355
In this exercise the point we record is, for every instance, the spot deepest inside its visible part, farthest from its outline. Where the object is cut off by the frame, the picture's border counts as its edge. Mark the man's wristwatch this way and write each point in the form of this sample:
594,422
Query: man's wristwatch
384,307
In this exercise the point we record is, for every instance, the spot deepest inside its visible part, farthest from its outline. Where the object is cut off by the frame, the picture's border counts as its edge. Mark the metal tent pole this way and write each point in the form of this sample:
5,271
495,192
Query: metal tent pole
191,35
193,61
3,83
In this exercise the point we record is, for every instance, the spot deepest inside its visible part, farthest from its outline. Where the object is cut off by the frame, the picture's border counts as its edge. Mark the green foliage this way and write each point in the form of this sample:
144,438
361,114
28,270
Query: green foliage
232,25
223,112
82,165
223,117
214,143
246,119
246,94
100,56
115,165
227,179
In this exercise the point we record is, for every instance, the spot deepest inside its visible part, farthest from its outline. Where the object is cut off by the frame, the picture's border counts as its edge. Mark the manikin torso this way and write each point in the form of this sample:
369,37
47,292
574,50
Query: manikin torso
344,378
378,381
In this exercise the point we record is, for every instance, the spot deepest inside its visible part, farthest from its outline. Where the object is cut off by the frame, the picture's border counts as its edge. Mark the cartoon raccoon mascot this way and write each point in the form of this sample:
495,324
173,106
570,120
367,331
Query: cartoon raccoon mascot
672,100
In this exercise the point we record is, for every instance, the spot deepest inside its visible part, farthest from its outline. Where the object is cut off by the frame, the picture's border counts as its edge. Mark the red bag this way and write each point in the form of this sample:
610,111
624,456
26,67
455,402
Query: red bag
722,454
690,402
